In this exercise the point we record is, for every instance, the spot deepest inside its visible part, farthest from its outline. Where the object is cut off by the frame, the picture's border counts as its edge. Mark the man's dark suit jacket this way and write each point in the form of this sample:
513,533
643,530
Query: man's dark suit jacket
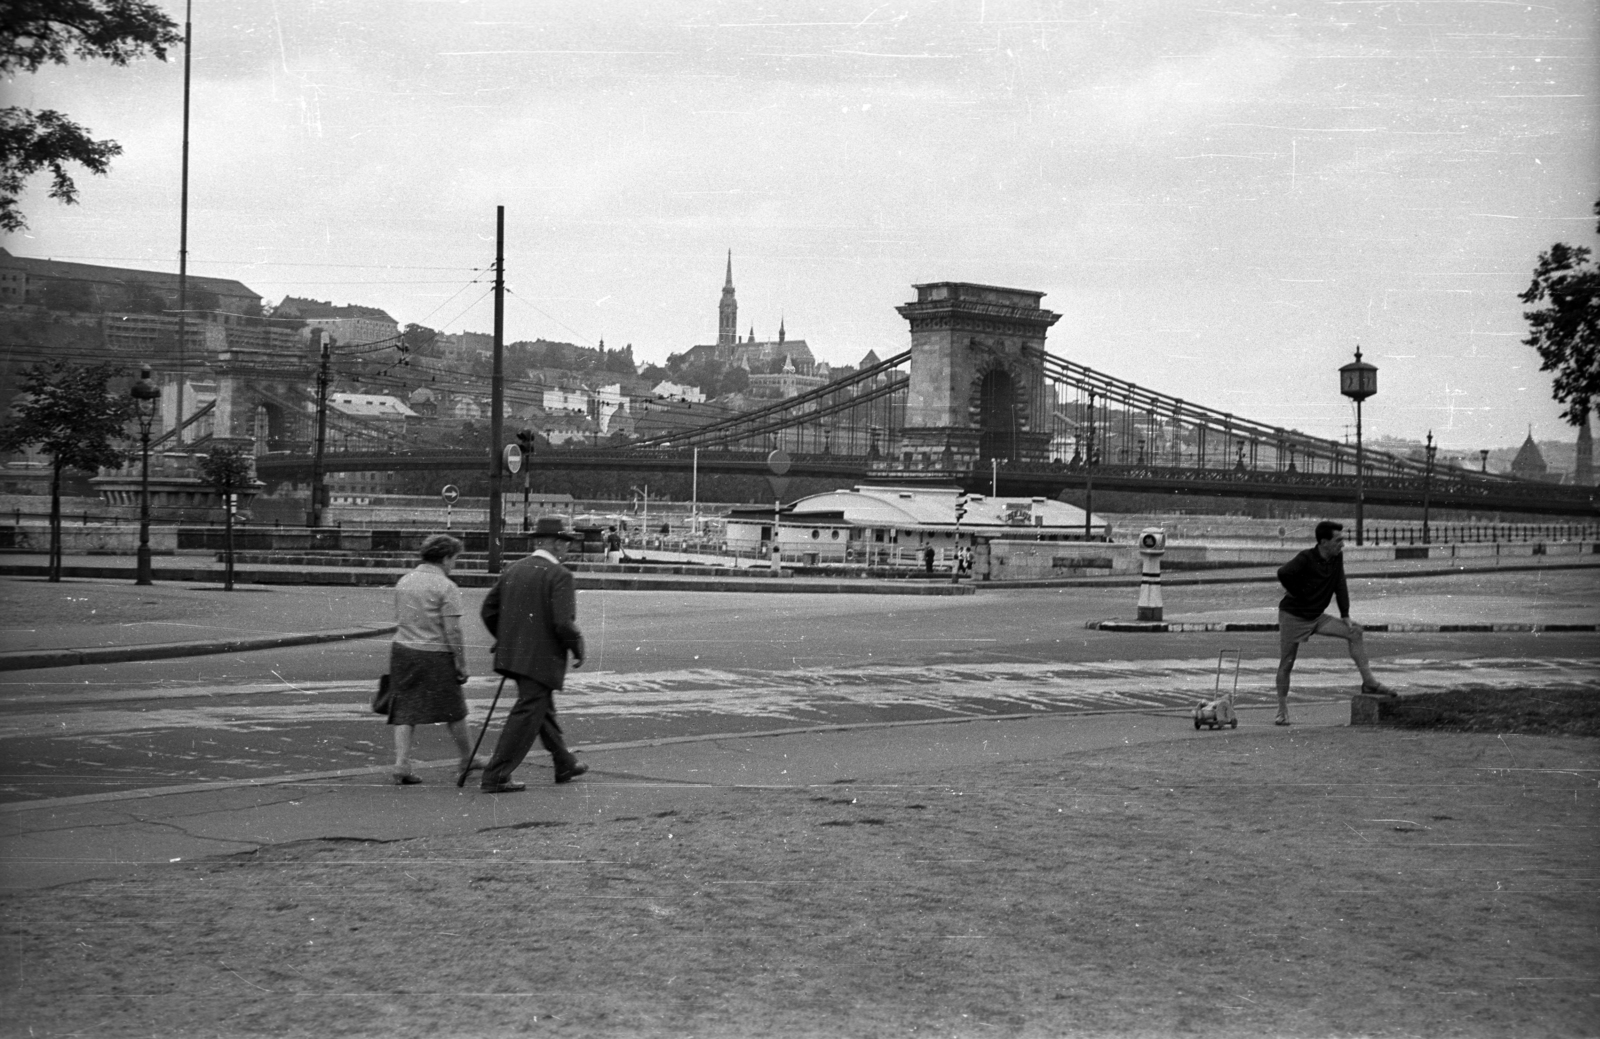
532,613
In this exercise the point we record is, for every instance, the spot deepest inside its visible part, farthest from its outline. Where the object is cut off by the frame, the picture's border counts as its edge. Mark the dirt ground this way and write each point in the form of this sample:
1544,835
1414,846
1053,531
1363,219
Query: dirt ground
1335,882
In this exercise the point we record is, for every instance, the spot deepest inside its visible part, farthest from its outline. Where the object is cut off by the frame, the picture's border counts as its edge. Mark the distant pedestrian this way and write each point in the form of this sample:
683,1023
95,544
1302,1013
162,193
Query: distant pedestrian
428,658
1312,579
613,545
927,559
532,613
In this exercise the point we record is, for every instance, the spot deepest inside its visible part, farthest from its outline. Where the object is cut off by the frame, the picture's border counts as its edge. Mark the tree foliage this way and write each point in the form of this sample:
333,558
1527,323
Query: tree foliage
34,33
67,413
419,339
1566,331
226,468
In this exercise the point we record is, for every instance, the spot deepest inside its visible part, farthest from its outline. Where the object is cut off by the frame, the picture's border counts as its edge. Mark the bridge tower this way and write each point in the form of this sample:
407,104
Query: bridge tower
977,385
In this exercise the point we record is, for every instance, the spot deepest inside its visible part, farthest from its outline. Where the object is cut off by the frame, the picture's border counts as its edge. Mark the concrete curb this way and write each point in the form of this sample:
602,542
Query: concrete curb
26,659
1269,575
1155,627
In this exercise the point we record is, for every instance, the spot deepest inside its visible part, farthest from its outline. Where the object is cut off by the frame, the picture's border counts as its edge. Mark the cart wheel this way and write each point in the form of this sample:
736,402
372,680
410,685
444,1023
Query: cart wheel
1234,724
1197,722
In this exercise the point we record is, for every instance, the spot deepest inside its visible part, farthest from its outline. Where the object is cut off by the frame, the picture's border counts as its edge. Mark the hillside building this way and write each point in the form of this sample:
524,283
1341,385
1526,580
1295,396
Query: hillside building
759,357
350,325
28,280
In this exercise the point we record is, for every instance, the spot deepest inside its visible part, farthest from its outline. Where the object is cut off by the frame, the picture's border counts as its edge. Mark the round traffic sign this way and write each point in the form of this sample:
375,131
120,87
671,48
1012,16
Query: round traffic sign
513,458
450,493
778,462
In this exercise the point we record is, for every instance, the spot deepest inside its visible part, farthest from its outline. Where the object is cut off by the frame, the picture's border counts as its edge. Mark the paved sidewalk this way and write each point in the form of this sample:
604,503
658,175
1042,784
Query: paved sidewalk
46,843
81,621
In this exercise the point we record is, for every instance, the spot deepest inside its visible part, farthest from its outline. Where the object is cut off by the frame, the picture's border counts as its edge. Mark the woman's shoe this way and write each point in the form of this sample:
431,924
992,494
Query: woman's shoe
405,779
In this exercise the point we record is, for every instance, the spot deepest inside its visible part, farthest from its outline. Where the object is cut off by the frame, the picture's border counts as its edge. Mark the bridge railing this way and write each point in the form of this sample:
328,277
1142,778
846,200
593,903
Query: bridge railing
1130,424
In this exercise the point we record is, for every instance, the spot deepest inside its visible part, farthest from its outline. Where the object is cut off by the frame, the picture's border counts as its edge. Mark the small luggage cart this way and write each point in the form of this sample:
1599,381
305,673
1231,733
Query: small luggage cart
1218,711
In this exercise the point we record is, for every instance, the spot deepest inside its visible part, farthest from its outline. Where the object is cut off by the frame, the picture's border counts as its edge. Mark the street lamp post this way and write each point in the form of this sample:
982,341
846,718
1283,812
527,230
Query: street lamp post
1427,484
1358,381
1484,455
145,394
1088,475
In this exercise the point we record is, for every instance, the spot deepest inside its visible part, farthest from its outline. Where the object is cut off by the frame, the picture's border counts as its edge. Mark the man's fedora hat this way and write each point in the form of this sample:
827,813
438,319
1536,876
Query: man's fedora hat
554,527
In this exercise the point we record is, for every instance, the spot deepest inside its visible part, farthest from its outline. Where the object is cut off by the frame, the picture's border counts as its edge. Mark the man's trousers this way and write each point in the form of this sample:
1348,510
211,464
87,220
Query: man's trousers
532,716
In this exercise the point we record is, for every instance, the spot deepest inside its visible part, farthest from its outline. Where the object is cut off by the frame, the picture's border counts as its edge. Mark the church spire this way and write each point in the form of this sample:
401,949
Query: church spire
780,328
728,311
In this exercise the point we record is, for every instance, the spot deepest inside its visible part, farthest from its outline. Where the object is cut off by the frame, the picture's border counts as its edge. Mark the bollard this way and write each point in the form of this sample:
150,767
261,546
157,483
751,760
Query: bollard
1152,546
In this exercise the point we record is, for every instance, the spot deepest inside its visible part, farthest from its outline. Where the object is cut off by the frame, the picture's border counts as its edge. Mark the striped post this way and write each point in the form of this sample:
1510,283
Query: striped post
1152,546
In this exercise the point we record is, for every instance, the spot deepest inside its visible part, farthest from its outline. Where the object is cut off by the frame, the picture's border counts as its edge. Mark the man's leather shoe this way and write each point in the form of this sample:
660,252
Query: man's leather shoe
571,772
509,786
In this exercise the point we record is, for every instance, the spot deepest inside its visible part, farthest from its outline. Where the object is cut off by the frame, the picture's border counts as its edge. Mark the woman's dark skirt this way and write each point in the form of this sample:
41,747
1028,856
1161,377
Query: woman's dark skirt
424,686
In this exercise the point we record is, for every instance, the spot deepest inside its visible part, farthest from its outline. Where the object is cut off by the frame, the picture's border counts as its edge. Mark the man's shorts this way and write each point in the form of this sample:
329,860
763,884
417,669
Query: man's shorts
1294,630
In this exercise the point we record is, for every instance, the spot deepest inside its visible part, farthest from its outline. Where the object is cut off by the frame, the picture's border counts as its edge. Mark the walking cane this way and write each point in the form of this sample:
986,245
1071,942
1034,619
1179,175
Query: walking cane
461,780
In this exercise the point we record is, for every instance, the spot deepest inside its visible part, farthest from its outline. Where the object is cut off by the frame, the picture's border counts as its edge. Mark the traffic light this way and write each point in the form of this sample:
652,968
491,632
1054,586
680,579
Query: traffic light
525,440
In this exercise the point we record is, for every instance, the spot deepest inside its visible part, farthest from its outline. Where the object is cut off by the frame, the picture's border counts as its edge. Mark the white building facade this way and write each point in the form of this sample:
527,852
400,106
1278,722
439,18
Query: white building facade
893,526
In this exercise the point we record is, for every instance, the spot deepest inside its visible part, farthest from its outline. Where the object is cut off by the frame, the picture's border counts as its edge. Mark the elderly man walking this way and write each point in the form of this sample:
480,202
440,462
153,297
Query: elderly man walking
1312,579
532,613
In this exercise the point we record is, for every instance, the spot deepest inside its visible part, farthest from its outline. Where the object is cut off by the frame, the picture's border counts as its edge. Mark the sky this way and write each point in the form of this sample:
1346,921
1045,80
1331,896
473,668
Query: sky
1222,198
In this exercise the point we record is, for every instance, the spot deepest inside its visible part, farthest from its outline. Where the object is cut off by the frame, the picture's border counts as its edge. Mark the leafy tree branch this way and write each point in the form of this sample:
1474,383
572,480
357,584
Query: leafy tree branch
1566,331
34,33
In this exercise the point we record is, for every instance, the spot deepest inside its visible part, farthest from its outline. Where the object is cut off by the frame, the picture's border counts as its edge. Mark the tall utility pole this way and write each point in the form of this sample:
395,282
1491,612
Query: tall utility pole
314,514
497,412
183,232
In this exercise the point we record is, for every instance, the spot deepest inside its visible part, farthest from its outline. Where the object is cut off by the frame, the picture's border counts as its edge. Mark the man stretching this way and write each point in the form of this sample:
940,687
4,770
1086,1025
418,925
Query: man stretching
1312,579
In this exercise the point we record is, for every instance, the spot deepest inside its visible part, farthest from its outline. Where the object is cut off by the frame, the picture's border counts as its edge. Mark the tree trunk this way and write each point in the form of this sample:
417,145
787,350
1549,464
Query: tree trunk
55,522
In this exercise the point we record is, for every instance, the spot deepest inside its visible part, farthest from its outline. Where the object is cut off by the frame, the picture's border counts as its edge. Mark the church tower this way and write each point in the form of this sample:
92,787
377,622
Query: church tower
1529,463
728,311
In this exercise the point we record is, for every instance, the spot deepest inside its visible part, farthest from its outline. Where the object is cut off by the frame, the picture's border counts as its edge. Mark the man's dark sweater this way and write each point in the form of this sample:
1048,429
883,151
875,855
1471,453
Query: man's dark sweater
1312,582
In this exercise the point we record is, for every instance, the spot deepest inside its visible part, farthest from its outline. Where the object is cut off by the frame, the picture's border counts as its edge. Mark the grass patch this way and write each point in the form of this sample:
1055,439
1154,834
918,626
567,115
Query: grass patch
1526,712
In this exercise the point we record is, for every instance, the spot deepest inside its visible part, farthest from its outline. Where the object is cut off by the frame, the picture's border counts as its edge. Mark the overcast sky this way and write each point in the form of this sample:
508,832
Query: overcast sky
1221,198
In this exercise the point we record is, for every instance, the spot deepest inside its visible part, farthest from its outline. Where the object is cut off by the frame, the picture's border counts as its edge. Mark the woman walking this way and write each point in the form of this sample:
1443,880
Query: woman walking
428,659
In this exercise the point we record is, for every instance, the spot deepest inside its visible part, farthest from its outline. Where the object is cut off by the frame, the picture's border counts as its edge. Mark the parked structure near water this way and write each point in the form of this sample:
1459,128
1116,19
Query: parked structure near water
892,525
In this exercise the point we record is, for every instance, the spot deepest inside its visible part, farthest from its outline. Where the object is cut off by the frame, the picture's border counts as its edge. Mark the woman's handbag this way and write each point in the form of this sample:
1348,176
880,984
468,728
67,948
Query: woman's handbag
382,700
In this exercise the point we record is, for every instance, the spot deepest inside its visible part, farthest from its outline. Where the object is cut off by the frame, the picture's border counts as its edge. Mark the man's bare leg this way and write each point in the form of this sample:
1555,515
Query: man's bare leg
1356,640
1285,666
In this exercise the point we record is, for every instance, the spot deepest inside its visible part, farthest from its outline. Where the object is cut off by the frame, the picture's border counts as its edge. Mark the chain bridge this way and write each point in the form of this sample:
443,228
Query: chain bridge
977,401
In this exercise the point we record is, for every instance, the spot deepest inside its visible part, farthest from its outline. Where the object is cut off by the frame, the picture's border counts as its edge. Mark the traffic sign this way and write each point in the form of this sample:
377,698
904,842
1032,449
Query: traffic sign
450,493
513,458
778,462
